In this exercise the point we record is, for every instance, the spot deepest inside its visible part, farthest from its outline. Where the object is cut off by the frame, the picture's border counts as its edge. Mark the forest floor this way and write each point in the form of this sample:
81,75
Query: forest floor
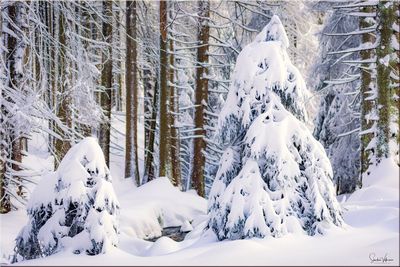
370,237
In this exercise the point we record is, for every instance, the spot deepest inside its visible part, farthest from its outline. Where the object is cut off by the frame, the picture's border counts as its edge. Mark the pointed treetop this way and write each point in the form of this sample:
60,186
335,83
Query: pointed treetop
273,31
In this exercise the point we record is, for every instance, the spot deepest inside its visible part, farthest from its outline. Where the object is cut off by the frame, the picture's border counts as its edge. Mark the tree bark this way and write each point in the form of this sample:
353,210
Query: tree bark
12,137
6,151
151,91
106,81
64,110
16,155
395,66
131,145
120,76
50,23
164,164
149,168
174,136
201,96
386,13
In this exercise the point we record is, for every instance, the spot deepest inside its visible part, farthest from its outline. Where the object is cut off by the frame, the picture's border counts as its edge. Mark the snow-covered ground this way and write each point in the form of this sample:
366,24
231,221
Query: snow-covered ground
371,235
372,232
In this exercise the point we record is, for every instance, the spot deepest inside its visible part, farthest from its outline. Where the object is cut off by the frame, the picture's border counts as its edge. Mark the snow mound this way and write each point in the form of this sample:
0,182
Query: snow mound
381,185
386,173
147,209
162,246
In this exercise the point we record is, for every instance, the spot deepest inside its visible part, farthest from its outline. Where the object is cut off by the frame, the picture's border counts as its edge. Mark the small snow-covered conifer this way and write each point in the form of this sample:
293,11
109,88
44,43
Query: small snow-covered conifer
274,177
72,208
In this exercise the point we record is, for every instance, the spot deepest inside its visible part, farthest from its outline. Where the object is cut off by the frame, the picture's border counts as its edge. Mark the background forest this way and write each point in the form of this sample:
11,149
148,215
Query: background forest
75,69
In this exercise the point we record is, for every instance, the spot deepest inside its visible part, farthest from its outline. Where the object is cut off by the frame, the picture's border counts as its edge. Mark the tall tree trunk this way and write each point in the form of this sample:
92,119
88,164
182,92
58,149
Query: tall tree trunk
53,63
106,81
14,83
6,139
44,60
201,96
174,136
119,17
86,129
386,15
11,133
365,89
150,84
5,201
63,111
131,145
395,66
149,167
148,100
164,164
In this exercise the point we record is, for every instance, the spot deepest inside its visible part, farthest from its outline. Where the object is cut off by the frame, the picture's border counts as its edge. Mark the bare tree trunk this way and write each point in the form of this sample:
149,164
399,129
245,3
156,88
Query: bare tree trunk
149,167
201,96
12,137
174,136
17,159
106,81
151,93
86,129
5,201
64,111
164,164
119,75
5,151
131,145
148,114
50,23
16,155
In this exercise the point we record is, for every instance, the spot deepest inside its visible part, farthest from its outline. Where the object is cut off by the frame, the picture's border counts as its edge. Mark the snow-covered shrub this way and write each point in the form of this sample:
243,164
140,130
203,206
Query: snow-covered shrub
274,177
72,208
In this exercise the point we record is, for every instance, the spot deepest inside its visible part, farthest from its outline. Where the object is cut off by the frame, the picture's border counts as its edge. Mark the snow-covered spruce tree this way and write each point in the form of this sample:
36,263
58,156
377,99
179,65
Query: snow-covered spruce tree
73,208
274,177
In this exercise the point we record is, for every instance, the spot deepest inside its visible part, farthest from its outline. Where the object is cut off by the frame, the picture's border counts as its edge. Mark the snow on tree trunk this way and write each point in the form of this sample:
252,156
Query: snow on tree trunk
72,208
274,177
